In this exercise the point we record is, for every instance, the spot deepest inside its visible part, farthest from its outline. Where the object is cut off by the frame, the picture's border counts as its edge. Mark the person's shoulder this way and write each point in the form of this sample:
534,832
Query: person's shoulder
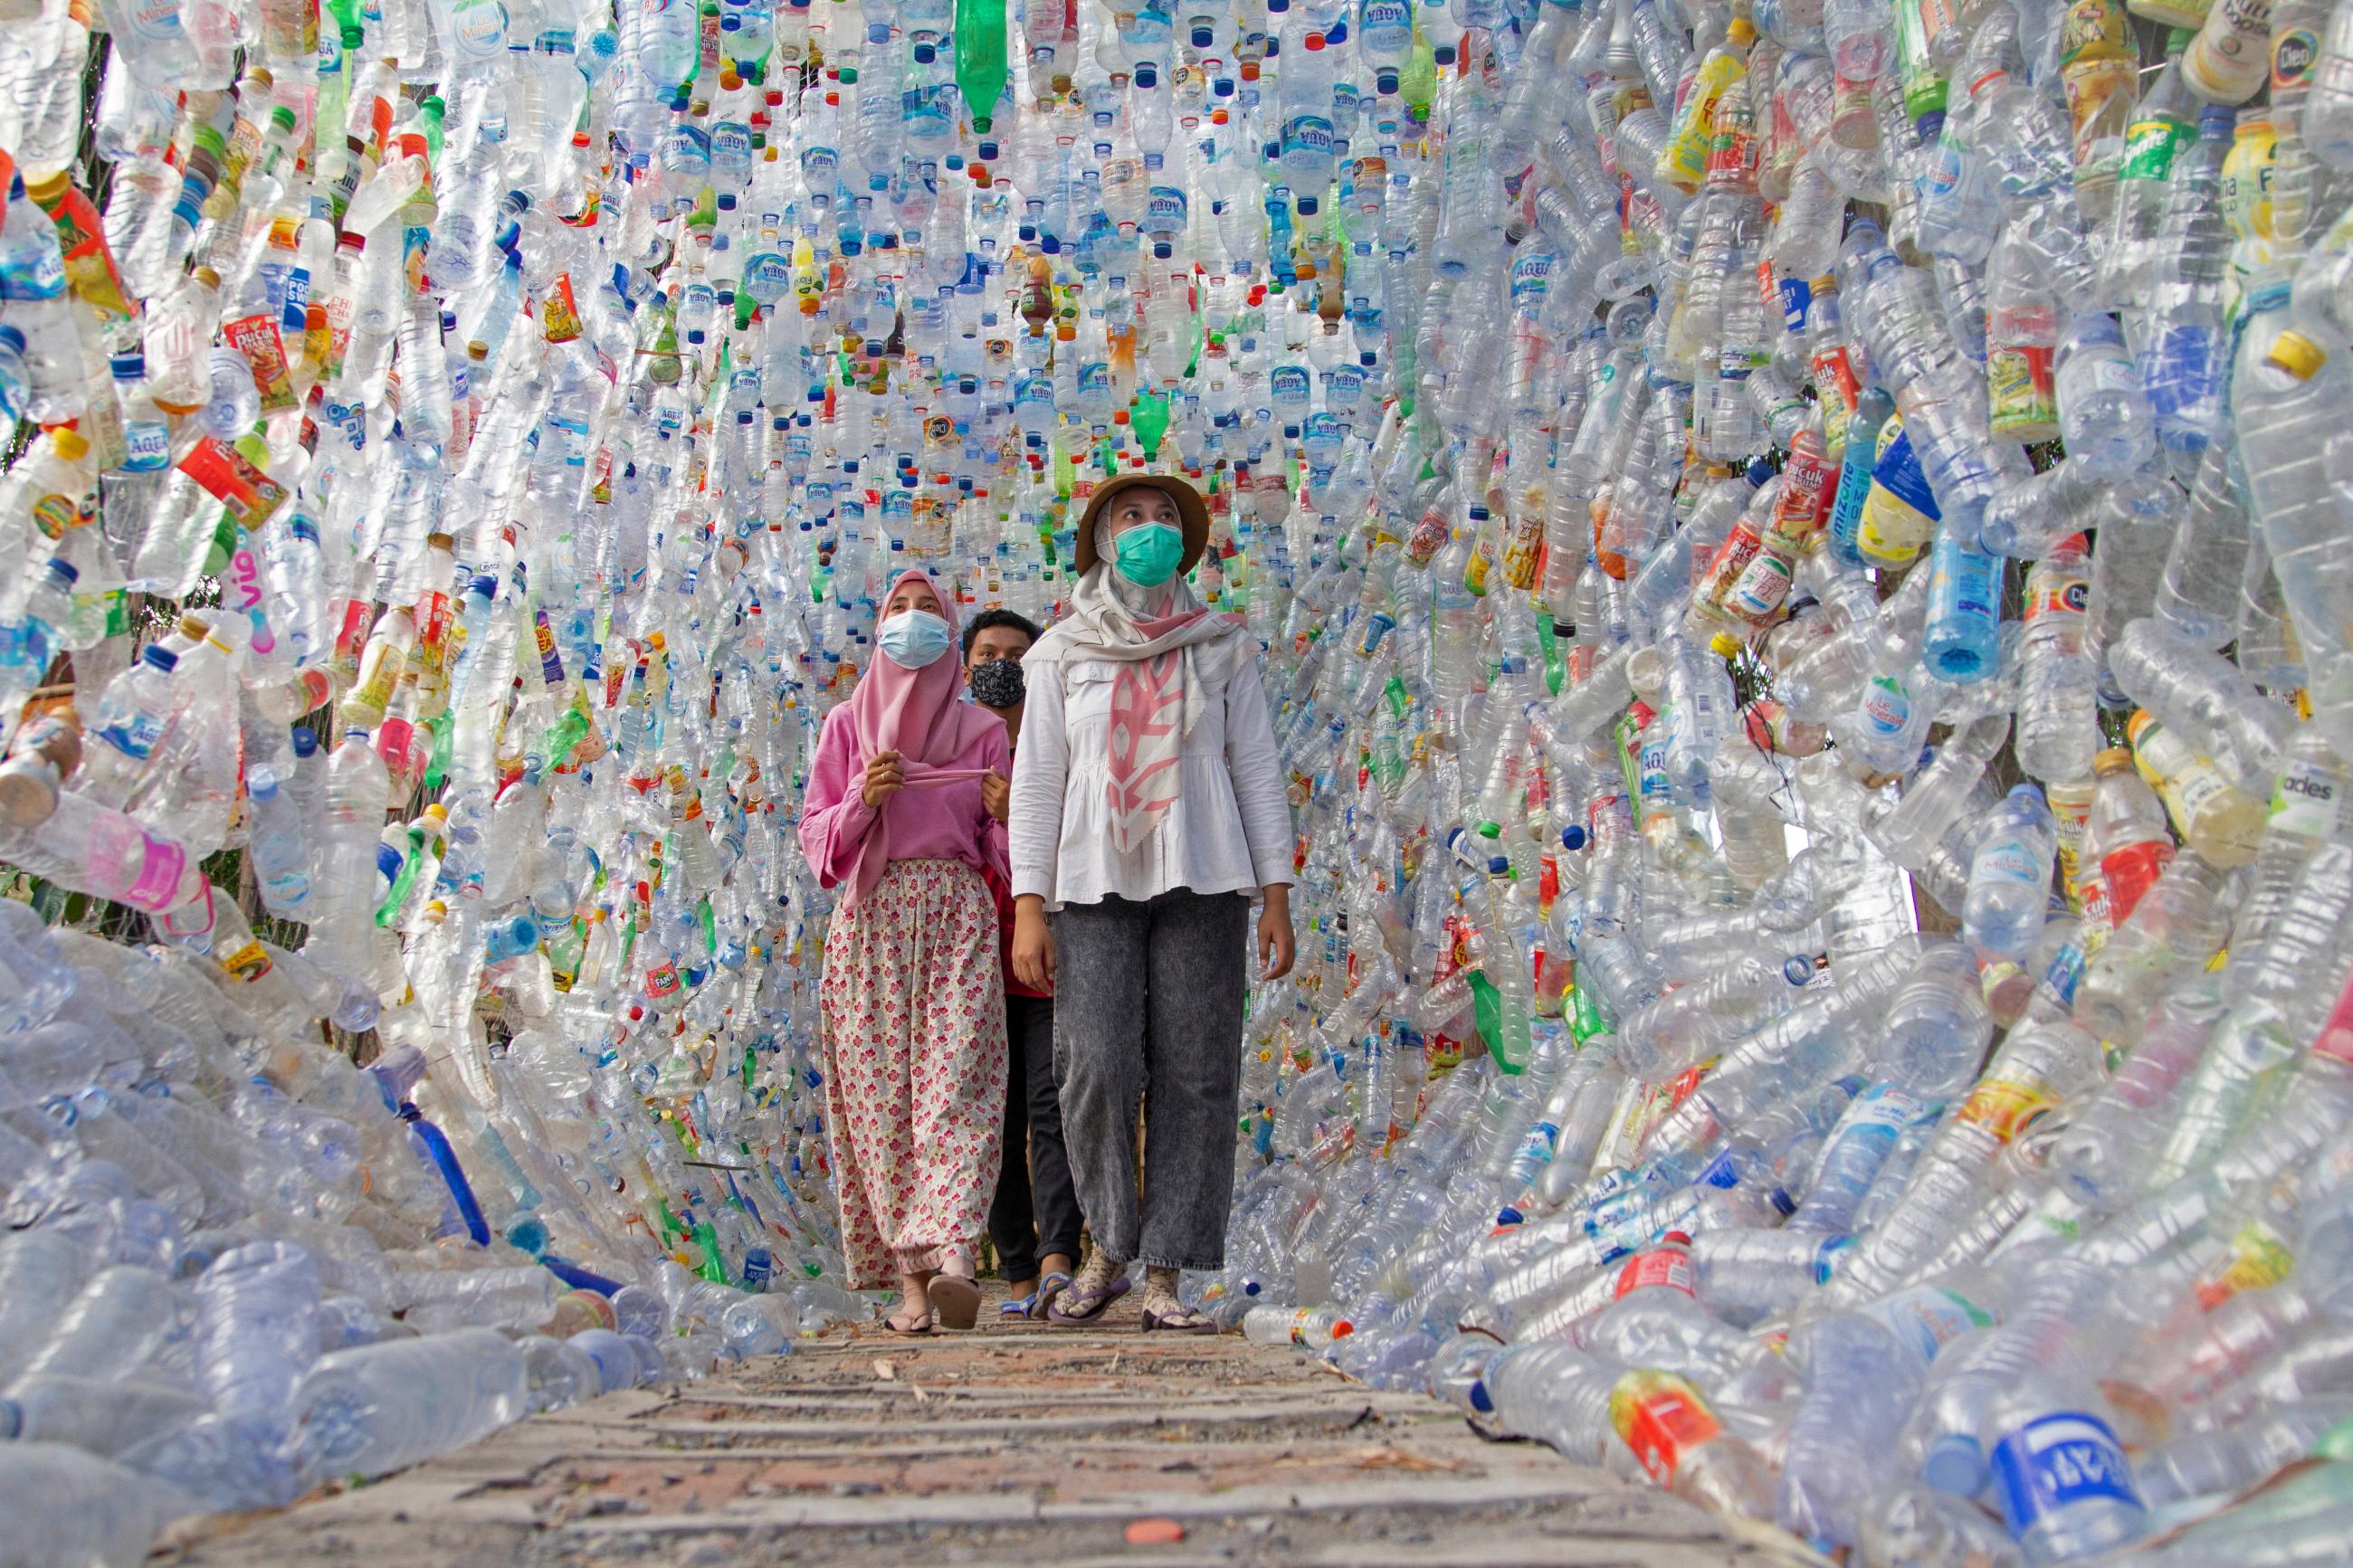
837,721
1053,644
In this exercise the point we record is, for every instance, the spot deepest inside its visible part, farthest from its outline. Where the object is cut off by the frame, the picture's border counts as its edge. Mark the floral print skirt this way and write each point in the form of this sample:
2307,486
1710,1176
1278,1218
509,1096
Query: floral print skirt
913,1006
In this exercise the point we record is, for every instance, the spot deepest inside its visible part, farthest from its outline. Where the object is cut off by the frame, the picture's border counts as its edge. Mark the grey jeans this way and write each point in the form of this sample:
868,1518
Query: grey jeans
1148,1007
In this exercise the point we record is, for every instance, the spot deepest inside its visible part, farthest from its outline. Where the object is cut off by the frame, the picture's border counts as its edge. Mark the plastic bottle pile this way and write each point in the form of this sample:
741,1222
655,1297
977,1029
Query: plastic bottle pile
1684,461
1616,747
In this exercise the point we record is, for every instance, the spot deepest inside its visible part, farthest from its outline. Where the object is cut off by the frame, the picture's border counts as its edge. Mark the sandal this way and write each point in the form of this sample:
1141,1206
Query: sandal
1164,1310
1049,1290
1098,1285
956,1301
1181,1319
909,1331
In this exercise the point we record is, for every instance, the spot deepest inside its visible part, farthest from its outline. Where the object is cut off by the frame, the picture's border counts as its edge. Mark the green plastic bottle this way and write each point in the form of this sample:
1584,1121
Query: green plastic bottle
980,58
1149,419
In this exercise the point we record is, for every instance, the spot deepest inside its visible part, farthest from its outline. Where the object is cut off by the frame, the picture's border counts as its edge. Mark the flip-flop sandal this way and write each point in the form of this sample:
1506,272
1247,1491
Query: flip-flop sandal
1183,1320
956,1301
1092,1303
1049,1290
1019,1310
905,1333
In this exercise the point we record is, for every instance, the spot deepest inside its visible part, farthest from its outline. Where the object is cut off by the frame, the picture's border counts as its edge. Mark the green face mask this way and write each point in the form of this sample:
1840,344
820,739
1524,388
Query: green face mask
1149,554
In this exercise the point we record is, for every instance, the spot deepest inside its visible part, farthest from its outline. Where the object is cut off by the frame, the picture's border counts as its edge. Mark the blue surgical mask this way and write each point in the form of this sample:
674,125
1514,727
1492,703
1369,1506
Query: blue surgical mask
913,638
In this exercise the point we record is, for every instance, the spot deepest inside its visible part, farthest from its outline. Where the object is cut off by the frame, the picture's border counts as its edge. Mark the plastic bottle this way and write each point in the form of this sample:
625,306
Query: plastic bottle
2126,843
2009,876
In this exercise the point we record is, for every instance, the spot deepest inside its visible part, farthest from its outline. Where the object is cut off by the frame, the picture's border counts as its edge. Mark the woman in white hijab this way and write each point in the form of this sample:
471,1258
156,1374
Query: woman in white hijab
1147,811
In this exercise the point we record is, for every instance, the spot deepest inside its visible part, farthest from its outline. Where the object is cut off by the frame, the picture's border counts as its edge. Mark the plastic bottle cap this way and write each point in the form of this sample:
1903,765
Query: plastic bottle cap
69,444
1954,1465
2298,354
1724,645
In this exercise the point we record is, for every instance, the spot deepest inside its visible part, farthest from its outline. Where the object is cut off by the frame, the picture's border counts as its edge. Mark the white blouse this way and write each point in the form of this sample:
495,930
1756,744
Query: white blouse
1228,830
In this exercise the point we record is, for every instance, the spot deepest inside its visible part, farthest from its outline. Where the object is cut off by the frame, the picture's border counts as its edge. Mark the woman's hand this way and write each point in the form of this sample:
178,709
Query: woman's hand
996,796
1276,950
1033,944
885,776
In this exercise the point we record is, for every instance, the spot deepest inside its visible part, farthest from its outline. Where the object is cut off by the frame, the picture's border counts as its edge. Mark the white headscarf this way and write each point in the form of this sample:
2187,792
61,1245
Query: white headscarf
1172,653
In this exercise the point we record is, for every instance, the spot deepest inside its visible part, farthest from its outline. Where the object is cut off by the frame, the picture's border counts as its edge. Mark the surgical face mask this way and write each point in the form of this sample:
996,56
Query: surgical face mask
913,638
1148,553
997,684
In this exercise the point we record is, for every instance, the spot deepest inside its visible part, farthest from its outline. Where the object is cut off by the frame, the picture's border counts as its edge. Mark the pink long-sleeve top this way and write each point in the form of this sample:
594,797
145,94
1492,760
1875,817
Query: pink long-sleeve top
937,821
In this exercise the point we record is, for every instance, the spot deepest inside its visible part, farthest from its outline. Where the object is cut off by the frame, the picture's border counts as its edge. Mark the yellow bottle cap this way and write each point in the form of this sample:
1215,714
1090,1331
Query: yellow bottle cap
2298,355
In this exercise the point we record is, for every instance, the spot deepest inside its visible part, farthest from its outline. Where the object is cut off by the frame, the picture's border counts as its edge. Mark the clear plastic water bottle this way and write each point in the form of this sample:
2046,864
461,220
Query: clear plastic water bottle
2065,1487
2009,874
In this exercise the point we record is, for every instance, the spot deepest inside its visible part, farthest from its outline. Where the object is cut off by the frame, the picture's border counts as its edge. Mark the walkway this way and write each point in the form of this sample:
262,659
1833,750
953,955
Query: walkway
863,1448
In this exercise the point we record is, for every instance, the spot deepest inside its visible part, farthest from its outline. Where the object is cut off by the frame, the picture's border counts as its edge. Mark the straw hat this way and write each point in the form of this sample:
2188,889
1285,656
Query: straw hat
1192,515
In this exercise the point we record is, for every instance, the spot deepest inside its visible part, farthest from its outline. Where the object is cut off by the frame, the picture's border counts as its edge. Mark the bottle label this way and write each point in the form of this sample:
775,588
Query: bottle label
2019,388
559,313
2092,903
257,337
1164,209
1880,1112
2149,147
2130,872
2305,802
2187,781
1308,134
135,736
2063,973
2008,862
1886,707
149,443
2117,372
2335,1037
2056,1461
2049,591
2003,1109
1928,1318
2092,28
2294,53
1530,278
1667,1267
1795,297
1835,380
1663,1418
1761,588
119,846
2259,1258
249,963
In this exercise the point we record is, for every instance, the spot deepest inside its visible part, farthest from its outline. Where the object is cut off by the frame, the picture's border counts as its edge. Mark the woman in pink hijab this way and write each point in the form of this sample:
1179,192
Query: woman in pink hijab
906,803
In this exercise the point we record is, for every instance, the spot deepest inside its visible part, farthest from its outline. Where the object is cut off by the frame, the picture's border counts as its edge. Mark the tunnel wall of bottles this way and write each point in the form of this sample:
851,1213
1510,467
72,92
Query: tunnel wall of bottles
1801,554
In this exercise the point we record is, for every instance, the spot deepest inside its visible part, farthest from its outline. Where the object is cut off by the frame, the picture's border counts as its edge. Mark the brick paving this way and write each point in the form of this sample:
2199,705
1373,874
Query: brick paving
1008,1445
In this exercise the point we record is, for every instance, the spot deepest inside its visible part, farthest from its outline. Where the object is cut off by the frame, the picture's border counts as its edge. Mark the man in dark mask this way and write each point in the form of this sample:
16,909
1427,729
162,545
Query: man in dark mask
1033,1221
994,642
